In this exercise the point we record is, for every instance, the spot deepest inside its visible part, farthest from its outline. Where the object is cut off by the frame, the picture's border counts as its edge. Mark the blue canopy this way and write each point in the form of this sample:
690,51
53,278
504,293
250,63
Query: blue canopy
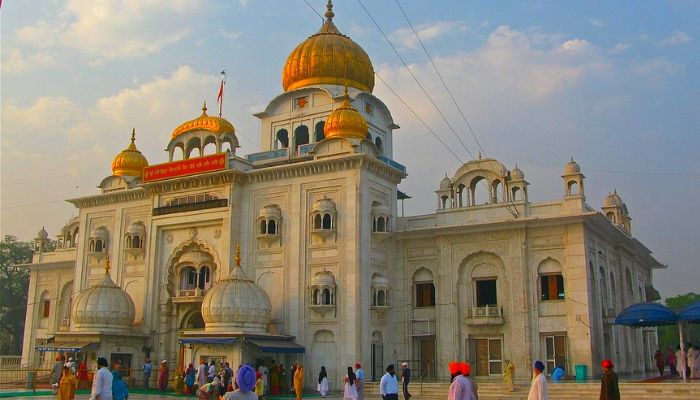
207,340
647,314
690,313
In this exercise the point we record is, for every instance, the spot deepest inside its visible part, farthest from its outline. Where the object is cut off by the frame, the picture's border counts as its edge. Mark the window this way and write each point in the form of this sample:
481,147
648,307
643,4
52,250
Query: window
318,131
486,293
263,227
379,144
552,287
326,297
124,360
204,276
556,352
46,308
495,357
282,138
301,135
326,221
188,278
425,294
317,221
271,227
381,298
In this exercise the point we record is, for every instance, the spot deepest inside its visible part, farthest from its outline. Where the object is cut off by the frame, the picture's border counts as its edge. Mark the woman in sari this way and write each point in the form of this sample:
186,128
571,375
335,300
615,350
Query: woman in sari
83,381
179,380
189,378
299,380
275,380
66,386
163,376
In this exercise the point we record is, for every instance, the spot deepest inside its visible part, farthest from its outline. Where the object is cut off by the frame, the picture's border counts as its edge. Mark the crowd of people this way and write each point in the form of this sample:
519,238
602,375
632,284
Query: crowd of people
683,362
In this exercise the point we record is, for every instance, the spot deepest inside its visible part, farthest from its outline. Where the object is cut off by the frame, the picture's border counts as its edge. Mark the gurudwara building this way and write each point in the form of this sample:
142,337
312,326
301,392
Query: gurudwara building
327,273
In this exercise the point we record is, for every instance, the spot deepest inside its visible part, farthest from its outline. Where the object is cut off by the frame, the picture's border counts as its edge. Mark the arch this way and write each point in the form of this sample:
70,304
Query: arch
381,297
204,278
227,146
128,241
460,196
422,275
443,201
495,188
188,278
380,145
65,304
377,337
136,242
98,246
629,291
603,288
282,139
194,144
177,152
381,224
271,227
323,353
263,227
478,193
516,194
181,249
613,289
549,266
91,246
192,320
611,216
45,301
326,298
209,146
316,297
369,136
573,188
327,221
318,221
318,131
551,280
301,135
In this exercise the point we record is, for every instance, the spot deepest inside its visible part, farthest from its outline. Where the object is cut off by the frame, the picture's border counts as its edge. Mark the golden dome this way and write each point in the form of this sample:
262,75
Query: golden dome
328,58
204,122
345,122
130,162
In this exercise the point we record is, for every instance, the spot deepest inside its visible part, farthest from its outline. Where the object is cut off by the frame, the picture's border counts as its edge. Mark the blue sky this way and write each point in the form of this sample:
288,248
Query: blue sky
614,84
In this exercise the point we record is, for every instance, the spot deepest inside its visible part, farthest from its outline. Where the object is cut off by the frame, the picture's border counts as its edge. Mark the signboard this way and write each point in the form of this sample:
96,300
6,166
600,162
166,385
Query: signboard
193,166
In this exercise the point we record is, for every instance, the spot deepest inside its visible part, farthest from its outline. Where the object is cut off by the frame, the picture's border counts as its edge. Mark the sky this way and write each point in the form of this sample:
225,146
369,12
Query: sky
613,84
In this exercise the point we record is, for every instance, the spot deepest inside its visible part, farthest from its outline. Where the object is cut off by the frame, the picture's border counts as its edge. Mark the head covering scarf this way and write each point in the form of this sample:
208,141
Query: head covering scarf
322,375
539,365
607,364
245,378
465,369
351,376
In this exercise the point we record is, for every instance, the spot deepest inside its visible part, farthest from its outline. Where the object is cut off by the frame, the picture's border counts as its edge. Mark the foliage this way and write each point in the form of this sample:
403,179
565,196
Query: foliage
668,335
14,284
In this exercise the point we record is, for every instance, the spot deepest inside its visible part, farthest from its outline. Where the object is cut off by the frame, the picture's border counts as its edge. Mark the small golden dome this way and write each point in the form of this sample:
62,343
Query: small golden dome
130,162
328,58
345,122
204,122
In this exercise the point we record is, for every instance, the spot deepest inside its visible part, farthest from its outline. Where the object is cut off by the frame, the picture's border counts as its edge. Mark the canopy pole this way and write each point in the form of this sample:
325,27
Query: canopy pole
682,363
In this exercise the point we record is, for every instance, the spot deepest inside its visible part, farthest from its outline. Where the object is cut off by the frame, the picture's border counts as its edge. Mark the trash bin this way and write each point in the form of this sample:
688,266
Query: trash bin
31,376
581,372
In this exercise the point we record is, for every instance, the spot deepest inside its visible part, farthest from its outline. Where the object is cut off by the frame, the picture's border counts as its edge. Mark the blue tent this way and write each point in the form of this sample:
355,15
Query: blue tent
647,314
690,313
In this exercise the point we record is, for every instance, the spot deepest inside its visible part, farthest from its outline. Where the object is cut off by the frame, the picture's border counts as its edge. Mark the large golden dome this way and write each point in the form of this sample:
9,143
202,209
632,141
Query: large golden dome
130,162
204,122
328,58
345,122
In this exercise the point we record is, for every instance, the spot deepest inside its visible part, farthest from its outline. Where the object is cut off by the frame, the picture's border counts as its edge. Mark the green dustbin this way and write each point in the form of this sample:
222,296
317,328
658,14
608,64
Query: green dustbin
581,372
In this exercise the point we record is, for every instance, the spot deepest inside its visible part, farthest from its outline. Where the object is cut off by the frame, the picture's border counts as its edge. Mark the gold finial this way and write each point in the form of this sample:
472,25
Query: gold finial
107,267
204,107
329,11
133,135
237,258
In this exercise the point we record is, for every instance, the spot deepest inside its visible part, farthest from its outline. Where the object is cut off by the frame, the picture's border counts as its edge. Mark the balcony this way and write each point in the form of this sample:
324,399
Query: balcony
485,315
270,155
393,163
189,295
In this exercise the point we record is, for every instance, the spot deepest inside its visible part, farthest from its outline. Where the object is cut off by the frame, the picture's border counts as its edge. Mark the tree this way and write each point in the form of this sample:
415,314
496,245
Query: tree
14,284
668,335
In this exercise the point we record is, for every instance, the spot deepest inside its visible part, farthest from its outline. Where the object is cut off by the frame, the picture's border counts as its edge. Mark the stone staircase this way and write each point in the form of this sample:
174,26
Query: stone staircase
564,391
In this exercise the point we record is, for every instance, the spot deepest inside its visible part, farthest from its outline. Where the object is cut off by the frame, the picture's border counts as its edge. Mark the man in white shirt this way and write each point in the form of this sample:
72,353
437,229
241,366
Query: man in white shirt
538,389
360,374
212,372
202,373
102,382
389,385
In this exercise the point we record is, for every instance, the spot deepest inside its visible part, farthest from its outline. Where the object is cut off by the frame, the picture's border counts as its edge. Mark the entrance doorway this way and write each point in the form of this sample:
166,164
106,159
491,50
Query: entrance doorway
489,356
426,349
555,347
377,361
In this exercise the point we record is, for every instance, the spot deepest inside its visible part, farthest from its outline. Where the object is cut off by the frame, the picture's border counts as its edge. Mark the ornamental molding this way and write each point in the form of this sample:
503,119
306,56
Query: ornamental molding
109,198
194,182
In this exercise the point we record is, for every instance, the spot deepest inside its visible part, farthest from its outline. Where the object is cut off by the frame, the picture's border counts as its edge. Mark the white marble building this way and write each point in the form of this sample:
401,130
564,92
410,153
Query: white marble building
329,274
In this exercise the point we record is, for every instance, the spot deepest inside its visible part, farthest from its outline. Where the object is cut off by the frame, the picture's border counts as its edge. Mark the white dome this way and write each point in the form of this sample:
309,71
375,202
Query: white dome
104,307
445,183
236,303
137,228
42,234
613,200
379,280
324,205
517,174
323,278
270,211
100,233
572,167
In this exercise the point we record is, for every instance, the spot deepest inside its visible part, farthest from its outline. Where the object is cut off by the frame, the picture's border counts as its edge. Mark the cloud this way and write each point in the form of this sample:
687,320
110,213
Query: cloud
15,62
677,37
113,29
405,39
657,69
595,22
229,35
620,48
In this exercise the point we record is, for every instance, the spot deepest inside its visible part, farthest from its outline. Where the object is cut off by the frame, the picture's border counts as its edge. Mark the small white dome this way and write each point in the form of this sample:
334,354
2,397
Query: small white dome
613,200
104,307
324,205
42,234
270,211
137,228
445,183
517,174
100,233
323,278
236,303
380,280
572,167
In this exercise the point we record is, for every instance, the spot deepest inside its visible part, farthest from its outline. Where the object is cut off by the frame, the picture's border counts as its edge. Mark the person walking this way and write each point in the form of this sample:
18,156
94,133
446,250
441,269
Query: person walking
259,385
283,378
660,361
360,381
466,370
609,388
349,387
262,368
228,377
202,373
275,379
66,386
322,382
298,380
102,381
460,388
388,385
179,381
211,372
190,375
119,389
292,370
671,361
56,372
509,375
405,379
147,370
83,375
538,388
163,373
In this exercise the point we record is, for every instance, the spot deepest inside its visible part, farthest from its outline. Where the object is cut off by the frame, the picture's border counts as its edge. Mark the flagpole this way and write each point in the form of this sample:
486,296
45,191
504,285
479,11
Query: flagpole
221,92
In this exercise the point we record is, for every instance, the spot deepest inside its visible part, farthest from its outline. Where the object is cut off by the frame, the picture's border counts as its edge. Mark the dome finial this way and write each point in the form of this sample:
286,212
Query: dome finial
204,107
107,267
237,258
329,11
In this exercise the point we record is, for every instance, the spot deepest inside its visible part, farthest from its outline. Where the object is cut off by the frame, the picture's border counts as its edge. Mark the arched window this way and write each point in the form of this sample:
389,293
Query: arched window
424,287
318,131
69,240
178,153
326,221
136,242
91,246
517,194
611,216
204,278
495,188
317,221
271,227
326,297
460,196
573,188
315,298
381,298
443,200
379,144
263,227
98,246
282,138
551,280
188,278
479,191
612,290
45,305
128,241
381,226
301,135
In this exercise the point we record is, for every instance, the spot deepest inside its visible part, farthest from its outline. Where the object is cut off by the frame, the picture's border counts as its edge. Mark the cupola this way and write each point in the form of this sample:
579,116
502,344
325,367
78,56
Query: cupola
346,122
204,122
130,162
328,58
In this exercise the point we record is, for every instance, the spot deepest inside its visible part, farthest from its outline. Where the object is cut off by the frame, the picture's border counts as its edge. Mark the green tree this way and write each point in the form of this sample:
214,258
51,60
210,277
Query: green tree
14,284
668,335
